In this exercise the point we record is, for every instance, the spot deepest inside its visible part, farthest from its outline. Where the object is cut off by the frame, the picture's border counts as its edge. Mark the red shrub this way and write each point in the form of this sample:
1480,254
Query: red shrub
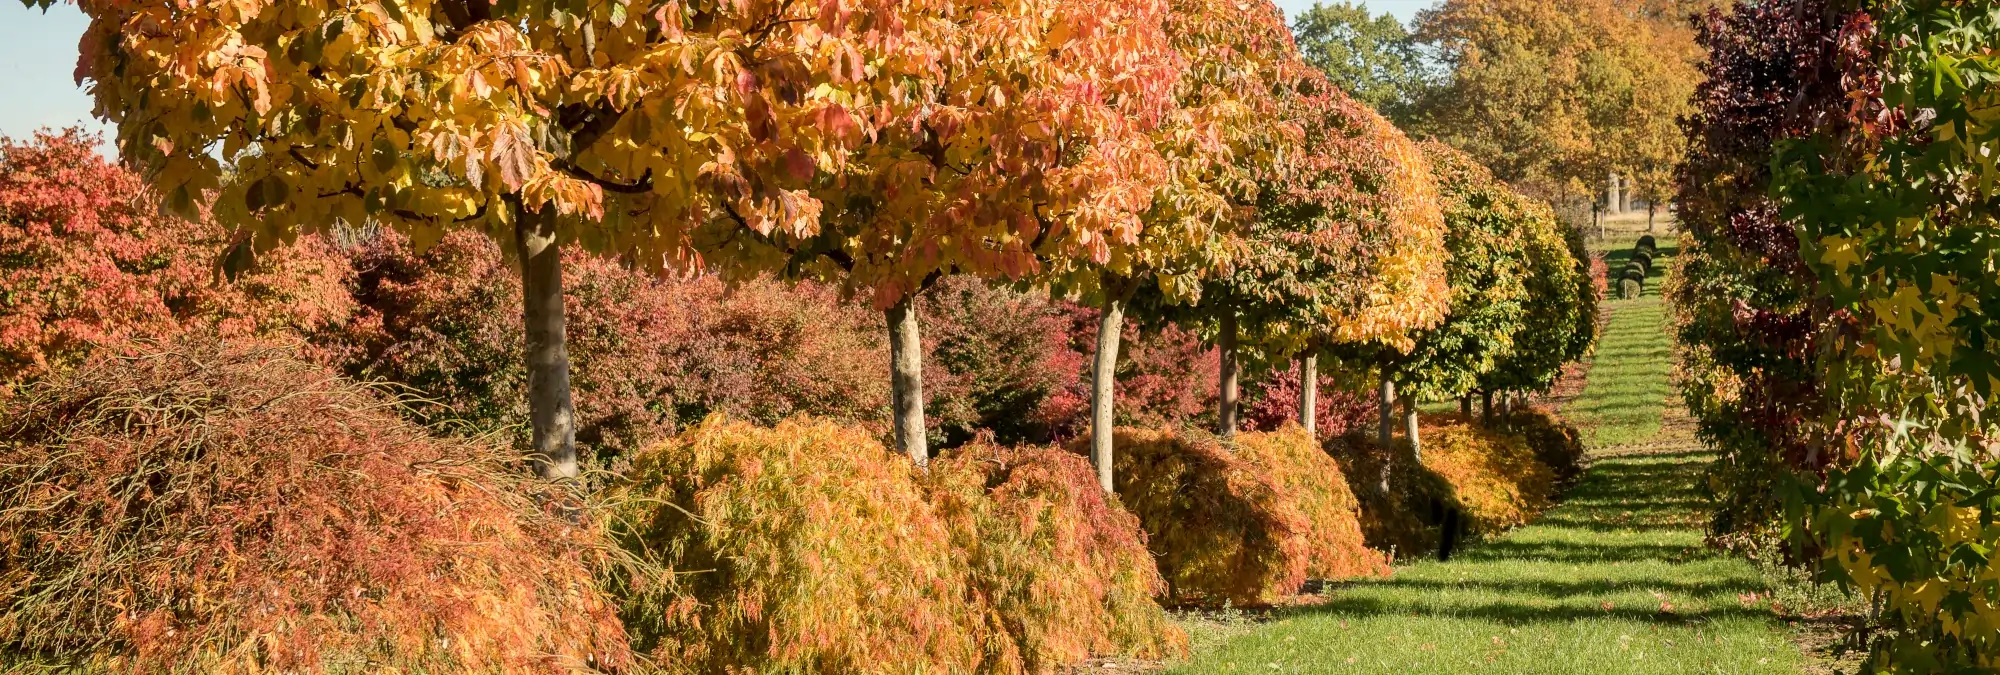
999,361
87,261
1167,377
201,509
1273,401
646,353
1065,568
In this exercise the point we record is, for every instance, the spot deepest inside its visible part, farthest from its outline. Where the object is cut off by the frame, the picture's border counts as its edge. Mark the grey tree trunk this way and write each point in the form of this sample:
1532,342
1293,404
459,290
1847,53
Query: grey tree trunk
551,414
1103,389
1227,344
1410,429
906,380
1651,211
1309,394
1386,405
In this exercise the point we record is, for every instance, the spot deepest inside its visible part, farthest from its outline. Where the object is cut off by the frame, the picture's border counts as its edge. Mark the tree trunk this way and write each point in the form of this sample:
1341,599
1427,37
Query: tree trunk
906,380
1410,429
1309,394
1226,419
1486,408
1465,406
1651,210
1386,405
1103,388
551,415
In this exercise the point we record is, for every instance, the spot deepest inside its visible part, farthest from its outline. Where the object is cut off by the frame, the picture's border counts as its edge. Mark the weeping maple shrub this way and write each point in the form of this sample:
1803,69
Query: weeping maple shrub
1293,460
1408,518
1495,476
204,507
803,548
1479,480
1064,569
1220,529
1556,444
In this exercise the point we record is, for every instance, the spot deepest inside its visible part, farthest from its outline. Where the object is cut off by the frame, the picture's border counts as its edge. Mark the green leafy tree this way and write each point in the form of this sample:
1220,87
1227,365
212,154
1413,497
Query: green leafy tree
1374,58
1559,313
1484,265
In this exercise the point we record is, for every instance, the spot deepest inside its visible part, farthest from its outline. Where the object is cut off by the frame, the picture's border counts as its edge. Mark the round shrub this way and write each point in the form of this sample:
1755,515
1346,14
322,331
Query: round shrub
1556,444
1493,474
804,548
1294,461
1220,530
1629,289
1646,243
1064,567
208,509
1405,521
1644,259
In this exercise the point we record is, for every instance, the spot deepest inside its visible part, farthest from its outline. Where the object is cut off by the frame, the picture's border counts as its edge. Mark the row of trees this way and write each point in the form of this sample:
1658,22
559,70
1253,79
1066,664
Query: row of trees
1833,312
1174,161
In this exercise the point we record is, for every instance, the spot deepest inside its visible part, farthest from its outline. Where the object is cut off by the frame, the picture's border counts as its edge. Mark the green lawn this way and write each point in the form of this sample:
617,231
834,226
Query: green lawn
1615,580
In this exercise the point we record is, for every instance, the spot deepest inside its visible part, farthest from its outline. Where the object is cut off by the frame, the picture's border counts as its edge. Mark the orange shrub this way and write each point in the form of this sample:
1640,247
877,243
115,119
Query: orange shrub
1064,567
1219,528
1558,445
210,509
807,547
1296,463
1493,474
1407,520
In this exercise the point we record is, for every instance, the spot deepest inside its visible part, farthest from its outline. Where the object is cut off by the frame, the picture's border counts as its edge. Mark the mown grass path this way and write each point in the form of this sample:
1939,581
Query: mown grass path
1615,580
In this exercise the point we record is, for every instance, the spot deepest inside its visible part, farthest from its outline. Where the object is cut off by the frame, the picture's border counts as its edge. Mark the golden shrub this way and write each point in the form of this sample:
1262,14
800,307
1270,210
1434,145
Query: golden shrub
1294,461
804,548
1062,566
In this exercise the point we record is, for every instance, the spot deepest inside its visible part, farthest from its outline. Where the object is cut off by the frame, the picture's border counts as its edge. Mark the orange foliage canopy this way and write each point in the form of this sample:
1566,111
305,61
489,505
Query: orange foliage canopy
932,134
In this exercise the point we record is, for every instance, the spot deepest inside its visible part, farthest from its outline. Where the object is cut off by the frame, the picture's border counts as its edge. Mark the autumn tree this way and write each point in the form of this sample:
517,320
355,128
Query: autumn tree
1023,141
1372,57
1553,96
1223,126
1559,309
1346,247
631,128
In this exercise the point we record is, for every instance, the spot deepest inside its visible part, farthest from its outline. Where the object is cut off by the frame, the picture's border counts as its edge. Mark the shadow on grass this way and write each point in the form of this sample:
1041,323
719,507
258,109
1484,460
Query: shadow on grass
1523,614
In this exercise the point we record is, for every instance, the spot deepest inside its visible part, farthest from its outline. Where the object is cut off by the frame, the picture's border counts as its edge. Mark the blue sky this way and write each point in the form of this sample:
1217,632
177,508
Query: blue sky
38,56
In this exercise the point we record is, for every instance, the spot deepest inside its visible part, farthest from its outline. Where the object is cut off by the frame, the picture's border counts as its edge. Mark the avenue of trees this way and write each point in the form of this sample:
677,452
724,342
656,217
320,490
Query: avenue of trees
355,264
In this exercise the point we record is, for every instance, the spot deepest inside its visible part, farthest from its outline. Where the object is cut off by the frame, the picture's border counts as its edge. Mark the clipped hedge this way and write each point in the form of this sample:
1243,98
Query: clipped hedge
1220,529
207,509
1064,567
1294,461
807,547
